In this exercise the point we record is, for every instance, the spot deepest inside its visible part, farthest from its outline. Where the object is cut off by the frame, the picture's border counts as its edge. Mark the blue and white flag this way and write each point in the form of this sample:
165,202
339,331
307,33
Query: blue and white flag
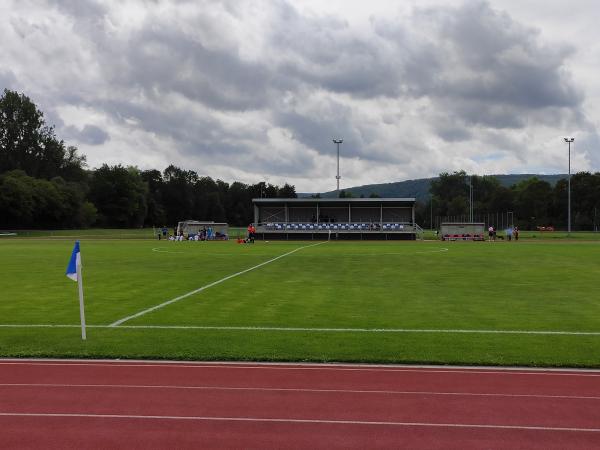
74,262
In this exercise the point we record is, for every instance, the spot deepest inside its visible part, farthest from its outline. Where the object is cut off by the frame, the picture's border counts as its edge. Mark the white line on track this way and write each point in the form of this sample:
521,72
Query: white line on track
480,370
195,291
304,421
304,329
301,390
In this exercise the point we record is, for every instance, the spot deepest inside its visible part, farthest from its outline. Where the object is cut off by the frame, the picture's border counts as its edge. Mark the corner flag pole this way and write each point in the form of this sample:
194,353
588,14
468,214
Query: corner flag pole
74,273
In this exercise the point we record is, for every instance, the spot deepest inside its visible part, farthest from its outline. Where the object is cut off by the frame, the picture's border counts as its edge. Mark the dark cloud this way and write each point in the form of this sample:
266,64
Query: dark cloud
453,134
489,70
167,60
89,134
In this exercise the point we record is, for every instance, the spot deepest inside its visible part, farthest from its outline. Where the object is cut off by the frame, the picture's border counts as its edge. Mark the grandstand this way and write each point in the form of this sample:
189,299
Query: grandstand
335,218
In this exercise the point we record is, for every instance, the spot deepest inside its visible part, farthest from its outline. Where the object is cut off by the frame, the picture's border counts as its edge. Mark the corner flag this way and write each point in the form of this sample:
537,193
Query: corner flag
74,262
74,273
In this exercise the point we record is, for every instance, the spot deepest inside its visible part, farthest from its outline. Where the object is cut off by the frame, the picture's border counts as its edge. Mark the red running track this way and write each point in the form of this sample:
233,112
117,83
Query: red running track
55,404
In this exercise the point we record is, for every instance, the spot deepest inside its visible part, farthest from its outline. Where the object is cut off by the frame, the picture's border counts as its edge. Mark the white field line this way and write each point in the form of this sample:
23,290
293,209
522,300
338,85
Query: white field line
301,390
303,329
214,283
303,421
158,250
441,250
161,250
480,370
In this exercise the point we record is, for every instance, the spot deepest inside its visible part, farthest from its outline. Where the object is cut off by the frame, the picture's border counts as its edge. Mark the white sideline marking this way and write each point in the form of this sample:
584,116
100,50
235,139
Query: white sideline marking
214,283
308,390
303,329
317,421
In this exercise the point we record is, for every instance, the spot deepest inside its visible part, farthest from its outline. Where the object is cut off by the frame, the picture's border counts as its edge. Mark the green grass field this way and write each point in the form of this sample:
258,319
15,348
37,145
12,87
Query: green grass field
427,302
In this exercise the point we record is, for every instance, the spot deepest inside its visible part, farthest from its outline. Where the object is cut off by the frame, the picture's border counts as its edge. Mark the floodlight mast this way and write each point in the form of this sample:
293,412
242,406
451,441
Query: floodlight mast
471,198
569,141
337,177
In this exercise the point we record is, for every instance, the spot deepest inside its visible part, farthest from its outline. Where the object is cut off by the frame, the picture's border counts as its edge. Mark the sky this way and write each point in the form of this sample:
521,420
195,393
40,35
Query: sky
256,90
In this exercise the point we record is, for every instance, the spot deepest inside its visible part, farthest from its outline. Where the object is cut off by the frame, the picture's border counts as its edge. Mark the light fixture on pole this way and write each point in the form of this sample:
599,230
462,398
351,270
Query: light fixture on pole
569,141
338,142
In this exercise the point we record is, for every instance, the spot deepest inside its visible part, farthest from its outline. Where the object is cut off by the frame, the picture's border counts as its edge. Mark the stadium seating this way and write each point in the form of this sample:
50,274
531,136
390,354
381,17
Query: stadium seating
351,227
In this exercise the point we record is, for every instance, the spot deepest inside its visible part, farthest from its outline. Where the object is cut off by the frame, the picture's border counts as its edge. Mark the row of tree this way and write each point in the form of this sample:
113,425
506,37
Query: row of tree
46,184
534,202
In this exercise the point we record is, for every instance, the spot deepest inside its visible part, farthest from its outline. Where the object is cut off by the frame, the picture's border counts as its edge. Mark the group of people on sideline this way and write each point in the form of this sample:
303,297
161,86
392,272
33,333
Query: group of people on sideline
510,233
205,234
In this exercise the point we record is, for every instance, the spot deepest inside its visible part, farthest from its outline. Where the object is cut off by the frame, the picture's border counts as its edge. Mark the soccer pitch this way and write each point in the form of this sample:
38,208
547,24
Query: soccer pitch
510,303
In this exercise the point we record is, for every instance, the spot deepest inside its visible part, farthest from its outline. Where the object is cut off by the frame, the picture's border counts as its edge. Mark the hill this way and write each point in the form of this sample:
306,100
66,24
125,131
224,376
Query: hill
419,188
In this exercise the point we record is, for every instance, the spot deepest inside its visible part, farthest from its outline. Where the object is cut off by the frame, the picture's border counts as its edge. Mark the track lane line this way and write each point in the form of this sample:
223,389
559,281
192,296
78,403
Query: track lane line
300,367
301,390
309,421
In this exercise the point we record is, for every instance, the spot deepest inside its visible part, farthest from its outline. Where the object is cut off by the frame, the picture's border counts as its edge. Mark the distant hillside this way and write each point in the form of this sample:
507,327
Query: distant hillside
420,188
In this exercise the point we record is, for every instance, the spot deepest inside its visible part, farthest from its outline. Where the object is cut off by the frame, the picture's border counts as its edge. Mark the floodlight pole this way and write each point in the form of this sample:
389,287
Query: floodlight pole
337,177
431,211
569,141
471,199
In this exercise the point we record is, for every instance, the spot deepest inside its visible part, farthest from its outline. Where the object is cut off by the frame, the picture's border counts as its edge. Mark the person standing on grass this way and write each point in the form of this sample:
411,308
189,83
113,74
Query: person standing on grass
491,232
251,231
516,233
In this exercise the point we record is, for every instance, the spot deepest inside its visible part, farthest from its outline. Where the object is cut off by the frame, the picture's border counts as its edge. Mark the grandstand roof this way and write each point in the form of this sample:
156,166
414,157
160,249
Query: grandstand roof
409,201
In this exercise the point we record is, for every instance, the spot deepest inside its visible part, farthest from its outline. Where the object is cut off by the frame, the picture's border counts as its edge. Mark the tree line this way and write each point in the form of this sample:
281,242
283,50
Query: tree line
534,202
46,184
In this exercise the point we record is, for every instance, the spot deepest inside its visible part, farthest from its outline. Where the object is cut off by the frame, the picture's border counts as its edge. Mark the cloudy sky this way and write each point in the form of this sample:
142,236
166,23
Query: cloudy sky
256,90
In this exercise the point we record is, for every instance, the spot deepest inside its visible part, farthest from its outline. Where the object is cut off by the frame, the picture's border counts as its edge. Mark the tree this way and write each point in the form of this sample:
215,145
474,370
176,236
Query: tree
28,202
447,189
287,191
119,193
533,199
155,215
28,144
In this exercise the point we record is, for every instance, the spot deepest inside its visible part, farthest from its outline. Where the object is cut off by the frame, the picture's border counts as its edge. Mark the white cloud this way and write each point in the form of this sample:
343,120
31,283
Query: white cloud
254,90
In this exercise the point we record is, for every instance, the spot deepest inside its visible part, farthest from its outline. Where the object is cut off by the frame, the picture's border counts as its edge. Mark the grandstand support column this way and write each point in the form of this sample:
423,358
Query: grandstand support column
256,214
318,212
413,215
381,215
349,213
286,215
